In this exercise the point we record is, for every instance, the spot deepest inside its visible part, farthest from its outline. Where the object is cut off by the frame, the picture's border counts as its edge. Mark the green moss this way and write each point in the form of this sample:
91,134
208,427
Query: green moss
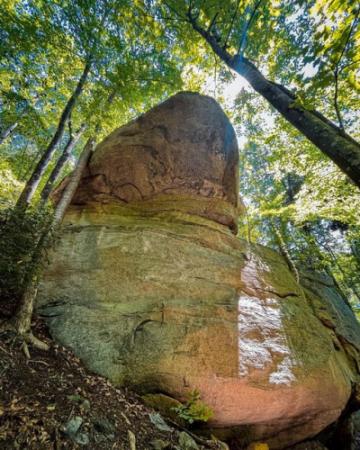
197,210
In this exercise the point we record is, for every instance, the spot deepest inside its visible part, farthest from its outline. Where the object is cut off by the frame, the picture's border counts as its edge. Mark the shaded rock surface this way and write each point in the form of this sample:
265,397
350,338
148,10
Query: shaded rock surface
347,436
149,286
309,445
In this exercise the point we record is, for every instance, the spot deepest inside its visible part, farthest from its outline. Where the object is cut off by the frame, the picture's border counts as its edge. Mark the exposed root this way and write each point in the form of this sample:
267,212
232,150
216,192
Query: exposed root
26,338
25,349
35,342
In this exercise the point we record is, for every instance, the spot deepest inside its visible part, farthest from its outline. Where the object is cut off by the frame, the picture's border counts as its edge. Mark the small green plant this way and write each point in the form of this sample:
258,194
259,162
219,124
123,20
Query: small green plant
194,410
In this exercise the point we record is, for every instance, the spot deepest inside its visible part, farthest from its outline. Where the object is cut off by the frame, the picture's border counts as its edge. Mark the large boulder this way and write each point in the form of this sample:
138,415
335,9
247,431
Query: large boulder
150,287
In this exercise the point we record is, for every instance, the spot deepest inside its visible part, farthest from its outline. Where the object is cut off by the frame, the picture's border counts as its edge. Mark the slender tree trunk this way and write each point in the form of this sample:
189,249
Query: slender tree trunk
45,193
316,246
7,132
329,138
41,166
21,320
284,250
347,280
73,183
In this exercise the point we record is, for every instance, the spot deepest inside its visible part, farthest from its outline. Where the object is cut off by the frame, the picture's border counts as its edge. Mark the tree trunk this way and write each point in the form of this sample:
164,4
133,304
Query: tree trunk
45,193
41,166
284,250
7,132
73,183
21,320
329,138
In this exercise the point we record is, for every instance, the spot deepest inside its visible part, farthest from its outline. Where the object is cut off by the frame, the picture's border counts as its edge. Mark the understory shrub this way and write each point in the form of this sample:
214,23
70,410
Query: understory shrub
20,232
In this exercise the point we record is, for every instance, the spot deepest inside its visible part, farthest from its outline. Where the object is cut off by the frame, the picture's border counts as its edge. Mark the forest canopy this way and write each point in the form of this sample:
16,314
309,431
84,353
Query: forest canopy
286,72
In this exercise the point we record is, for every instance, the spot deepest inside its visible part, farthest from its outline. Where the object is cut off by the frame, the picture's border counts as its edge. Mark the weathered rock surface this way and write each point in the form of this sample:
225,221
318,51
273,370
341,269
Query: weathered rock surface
149,286
185,147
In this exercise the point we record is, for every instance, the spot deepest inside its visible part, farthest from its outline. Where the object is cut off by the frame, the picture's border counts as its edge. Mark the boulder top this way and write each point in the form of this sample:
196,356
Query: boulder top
185,146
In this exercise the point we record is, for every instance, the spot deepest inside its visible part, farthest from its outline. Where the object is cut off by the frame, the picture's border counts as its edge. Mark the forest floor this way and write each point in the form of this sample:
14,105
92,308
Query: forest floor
51,401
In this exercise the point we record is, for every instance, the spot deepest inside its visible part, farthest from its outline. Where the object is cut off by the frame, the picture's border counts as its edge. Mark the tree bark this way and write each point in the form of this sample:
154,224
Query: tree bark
341,148
7,132
73,183
45,193
41,166
284,250
21,321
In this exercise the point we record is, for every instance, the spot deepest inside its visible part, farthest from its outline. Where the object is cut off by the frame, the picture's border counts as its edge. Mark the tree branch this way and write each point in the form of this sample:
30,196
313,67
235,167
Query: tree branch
327,136
231,25
242,43
338,70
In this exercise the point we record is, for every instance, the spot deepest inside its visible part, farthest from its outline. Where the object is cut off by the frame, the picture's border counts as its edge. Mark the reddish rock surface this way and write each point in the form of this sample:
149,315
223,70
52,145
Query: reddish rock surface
185,146
150,287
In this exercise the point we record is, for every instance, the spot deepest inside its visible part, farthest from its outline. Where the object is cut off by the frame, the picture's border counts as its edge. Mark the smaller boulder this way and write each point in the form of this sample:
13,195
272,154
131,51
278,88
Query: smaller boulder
159,422
159,444
73,426
186,442
72,430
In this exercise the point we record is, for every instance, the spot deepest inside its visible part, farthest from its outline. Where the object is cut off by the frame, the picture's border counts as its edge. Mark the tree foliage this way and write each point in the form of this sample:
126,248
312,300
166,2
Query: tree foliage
257,38
287,181
45,47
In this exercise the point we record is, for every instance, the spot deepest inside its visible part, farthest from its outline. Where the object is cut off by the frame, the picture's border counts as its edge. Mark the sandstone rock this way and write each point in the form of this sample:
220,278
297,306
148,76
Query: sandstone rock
150,287
183,147
160,444
72,430
73,426
186,442
159,422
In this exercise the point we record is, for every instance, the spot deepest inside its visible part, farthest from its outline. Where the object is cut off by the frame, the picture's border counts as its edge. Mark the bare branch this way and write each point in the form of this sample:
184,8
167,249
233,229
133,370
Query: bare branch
242,43
212,41
338,70
212,23
352,27
311,123
231,25
336,103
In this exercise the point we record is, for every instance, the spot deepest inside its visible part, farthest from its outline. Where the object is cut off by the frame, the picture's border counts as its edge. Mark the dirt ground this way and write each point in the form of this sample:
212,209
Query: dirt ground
51,401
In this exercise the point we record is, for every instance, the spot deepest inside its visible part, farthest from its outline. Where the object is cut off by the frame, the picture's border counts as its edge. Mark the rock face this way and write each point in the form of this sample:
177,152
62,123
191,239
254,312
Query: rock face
150,287
183,149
